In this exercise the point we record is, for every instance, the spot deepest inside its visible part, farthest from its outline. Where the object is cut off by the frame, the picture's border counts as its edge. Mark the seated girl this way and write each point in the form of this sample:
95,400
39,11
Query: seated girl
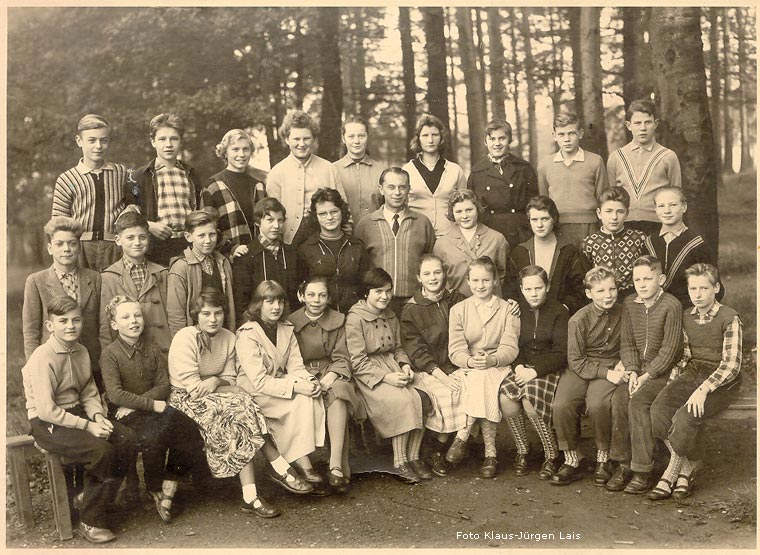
203,386
271,369
322,339
384,375
483,339
529,388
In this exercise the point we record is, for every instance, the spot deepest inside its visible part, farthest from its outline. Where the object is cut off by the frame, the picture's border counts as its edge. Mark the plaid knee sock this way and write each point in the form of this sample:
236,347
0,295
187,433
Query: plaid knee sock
489,437
415,441
517,426
546,434
674,465
399,443
464,433
602,455
571,458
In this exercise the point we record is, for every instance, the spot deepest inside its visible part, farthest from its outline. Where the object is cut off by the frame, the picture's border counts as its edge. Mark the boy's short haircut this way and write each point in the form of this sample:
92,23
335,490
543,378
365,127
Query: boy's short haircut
92,121
596,275
166,120
397,170
297,120
563,119
650,262
115,302
130,218
703,269
670,189
497,124
462,195
428,120
643,105
267,205
544,203
60,305
231,136
63,223
197,218
614,194
533,270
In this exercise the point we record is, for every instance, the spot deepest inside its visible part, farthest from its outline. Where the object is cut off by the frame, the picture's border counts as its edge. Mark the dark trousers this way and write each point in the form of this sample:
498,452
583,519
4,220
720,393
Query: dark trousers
672,421
98,255
572,391
104,461
156,433
161,252
647,227
632,439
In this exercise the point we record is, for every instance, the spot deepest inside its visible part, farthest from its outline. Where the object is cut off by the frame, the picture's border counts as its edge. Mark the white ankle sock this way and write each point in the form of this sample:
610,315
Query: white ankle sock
280,465
249,493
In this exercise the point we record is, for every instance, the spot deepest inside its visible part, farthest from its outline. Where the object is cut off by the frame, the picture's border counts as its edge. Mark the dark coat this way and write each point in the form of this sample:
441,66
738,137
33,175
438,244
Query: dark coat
142,188
543,337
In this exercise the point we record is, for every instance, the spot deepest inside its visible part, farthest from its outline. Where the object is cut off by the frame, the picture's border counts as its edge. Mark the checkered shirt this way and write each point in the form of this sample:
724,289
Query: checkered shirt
138,273
174,200
207,264
70,282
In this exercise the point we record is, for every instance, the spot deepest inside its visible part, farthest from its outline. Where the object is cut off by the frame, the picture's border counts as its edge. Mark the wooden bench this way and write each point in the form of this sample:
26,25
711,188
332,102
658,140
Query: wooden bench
60,475
744,407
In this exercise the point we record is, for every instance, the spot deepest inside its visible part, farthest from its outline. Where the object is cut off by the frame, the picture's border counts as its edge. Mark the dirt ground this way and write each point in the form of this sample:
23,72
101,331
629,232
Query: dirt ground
459,511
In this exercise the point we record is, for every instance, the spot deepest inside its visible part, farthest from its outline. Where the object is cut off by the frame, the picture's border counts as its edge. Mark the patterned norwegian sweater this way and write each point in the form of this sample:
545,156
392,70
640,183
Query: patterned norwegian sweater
616,251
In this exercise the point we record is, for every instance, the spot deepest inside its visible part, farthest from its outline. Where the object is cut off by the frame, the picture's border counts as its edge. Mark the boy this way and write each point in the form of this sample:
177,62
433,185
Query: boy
676,246
397,237
64,277
268,257
136,277
706,381
93,193
67,418
643,166
166,189
572,178
504,183
137,383
650,344
594,369
614,245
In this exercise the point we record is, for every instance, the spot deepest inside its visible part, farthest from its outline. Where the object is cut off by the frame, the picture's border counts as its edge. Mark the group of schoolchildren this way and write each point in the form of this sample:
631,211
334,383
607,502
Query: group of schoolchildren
199,324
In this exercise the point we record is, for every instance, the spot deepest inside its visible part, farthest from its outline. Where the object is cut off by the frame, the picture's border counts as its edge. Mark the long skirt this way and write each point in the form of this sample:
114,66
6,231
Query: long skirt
539,392
297,425
480,392
231,424
345,391
447,414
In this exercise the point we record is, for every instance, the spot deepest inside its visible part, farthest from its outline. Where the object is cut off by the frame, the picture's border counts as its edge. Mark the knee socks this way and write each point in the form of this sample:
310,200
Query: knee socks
602,455
400,443
517,426
674,465
546,434
489,437
464,433
571,458
415,441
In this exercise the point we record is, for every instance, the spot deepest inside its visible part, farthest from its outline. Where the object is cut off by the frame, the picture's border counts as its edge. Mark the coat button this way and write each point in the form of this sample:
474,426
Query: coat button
511,185
492,212
488,188
513,211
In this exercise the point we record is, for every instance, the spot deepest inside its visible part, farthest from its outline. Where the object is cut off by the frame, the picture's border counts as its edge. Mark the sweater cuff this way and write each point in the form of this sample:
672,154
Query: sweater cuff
83,423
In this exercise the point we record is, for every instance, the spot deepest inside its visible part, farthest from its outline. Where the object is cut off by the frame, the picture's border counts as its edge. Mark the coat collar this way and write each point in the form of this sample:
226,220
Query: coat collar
361,310
60,348
284,333
330,320
421,300
486,164
86,285
346,161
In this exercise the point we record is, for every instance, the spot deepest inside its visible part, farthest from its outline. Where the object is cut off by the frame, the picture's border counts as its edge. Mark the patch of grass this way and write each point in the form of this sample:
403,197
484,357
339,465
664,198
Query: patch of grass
742,507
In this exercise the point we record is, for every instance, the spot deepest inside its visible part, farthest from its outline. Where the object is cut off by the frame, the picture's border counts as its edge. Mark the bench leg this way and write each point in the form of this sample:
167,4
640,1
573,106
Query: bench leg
60,493
20,484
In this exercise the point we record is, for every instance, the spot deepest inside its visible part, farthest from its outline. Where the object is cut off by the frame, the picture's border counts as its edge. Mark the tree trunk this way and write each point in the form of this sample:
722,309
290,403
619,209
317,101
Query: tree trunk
575,41
299,88
473,84
274,90
453,153
529,79
556,77
332,87
728,124
437,94
595,138
410,88
496,55
515,78
715,87
481,61
681,87
746,163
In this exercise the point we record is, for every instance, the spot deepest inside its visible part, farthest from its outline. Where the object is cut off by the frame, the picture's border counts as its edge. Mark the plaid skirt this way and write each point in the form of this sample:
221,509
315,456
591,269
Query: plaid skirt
231,424
539,392
447,415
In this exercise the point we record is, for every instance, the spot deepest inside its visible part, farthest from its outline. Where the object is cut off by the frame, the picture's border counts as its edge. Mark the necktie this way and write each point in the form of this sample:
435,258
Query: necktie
395,224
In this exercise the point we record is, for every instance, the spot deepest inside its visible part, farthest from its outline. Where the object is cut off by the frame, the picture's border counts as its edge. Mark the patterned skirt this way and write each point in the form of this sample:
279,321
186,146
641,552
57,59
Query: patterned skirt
539,392
447,415
231,424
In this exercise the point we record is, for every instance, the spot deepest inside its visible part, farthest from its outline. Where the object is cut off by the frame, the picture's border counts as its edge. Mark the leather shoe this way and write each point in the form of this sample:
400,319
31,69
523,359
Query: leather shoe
163,511
619,479
488,468
406,474
421,469
336,480
602,473
455,454
264,510
566,475
684,486
547,469
439,465
312,476
93,534
292,482
640,483
662,491
521,464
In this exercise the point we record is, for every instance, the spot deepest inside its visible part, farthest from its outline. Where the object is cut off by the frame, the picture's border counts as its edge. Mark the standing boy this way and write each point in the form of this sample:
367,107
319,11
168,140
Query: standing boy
396,237
165,189
504,183
67,418
650,344
94,193
64,277
643,166
614,245
136,277
594,369
573,179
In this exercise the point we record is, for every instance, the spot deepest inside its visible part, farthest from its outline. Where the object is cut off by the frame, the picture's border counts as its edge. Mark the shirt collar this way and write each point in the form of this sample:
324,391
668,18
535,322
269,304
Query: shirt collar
347,160
486,304
83,168
295,161
639,300
648,148
712,312
388,215
676,233
579,156
128,264
130,350
200,257
60,275
60,348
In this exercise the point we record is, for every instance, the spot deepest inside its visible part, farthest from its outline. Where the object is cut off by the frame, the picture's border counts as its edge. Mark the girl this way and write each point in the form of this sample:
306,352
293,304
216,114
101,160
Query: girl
425,337
384,375
432,178
559,258
483,339
529,389
468,240
322,341
199,266
203,386
271,369
332,253
234,193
